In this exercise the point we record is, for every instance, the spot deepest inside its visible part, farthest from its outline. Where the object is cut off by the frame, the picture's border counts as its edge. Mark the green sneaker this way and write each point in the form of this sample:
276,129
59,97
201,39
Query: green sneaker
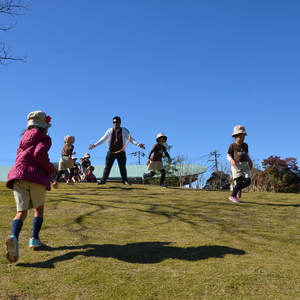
12,249
34,243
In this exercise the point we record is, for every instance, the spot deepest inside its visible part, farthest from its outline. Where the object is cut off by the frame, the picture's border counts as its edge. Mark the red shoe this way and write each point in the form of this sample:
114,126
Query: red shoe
55,184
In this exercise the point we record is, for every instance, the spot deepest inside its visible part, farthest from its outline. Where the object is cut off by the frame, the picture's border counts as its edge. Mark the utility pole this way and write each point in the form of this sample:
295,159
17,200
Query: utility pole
215,160
138,154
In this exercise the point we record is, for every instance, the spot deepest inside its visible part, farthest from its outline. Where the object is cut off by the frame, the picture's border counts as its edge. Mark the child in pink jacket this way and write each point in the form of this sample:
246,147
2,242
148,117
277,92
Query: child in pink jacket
29,179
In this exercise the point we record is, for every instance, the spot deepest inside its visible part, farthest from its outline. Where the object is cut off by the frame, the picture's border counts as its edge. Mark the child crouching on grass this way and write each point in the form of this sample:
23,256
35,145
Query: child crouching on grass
76,175
29,179
240,161
89,176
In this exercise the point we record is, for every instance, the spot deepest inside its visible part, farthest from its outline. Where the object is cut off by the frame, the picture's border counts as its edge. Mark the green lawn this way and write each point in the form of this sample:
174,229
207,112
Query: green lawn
145,242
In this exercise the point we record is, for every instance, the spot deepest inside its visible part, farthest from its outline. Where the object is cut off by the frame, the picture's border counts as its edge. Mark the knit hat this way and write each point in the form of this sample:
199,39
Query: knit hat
239,129
38,118
160,135
69,139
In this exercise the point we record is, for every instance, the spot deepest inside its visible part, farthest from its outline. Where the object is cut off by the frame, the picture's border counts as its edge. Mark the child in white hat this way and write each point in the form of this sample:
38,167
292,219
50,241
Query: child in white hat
66,162
85,163
29,179
240,161
154,161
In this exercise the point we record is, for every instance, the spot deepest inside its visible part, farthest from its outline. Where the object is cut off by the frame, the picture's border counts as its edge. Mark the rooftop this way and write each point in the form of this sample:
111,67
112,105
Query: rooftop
134,172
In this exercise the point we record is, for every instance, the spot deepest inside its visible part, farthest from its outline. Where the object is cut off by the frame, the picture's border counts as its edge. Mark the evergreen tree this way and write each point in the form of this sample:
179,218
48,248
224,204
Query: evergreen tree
280,175
218,181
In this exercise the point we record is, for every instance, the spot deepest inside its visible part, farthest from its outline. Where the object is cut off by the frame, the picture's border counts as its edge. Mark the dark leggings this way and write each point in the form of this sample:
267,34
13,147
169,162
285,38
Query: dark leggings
71,172
241,182
162,177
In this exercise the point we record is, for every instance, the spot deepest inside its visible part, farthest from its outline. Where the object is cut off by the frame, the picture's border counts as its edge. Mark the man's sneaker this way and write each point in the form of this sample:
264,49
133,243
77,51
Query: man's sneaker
34,243
126,183
163,186
101,181
55,184
143,178
12,249
239,194
234,199
69,182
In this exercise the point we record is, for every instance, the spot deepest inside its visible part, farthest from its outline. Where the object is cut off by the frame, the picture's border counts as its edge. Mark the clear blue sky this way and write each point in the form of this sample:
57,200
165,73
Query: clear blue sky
190,69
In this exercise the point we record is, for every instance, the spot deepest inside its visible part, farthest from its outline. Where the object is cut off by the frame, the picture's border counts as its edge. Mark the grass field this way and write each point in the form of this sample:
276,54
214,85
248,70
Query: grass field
146,242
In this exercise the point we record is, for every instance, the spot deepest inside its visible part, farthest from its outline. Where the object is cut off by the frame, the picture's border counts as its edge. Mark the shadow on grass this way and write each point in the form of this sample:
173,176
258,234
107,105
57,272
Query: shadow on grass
125,187
273,204
137,253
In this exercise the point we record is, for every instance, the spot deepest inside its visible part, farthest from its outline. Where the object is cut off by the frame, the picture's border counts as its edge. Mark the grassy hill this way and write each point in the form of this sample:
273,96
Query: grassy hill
145,242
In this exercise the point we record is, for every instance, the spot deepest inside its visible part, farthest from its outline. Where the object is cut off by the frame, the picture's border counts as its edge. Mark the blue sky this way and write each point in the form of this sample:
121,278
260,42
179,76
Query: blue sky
190,69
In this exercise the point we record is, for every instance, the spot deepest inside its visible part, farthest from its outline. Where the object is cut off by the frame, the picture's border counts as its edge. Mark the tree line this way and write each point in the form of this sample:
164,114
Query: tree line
278,175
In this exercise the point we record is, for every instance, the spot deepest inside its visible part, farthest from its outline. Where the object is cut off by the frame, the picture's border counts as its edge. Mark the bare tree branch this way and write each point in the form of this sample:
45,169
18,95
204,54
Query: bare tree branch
4,28
5,55
12,8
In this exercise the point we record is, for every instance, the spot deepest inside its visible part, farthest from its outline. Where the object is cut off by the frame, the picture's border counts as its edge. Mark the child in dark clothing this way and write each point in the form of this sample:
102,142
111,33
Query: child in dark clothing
85,163
76,176
154,161
90,177
240,161
66,162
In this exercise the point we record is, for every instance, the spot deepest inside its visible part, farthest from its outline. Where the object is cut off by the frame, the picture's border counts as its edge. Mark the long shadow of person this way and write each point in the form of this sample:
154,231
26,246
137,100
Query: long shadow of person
140,253
275,204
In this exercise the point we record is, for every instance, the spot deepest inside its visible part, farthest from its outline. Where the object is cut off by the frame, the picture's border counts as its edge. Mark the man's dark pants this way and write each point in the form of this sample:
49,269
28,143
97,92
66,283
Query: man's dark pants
109,161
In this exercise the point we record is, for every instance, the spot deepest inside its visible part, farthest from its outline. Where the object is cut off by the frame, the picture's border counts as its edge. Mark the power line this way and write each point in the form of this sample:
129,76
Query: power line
215,160
138,154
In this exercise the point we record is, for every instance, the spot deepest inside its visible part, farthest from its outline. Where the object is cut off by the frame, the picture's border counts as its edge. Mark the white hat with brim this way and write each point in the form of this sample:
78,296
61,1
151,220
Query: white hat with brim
239,129
38,118
160,135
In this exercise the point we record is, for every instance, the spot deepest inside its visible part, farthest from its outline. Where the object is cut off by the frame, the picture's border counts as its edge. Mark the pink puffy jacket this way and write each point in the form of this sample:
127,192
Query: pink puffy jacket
32,162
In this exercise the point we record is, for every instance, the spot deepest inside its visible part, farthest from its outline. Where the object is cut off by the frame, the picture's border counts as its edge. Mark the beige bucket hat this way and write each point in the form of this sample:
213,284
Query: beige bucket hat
160,135
38,118
69,139
239,129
